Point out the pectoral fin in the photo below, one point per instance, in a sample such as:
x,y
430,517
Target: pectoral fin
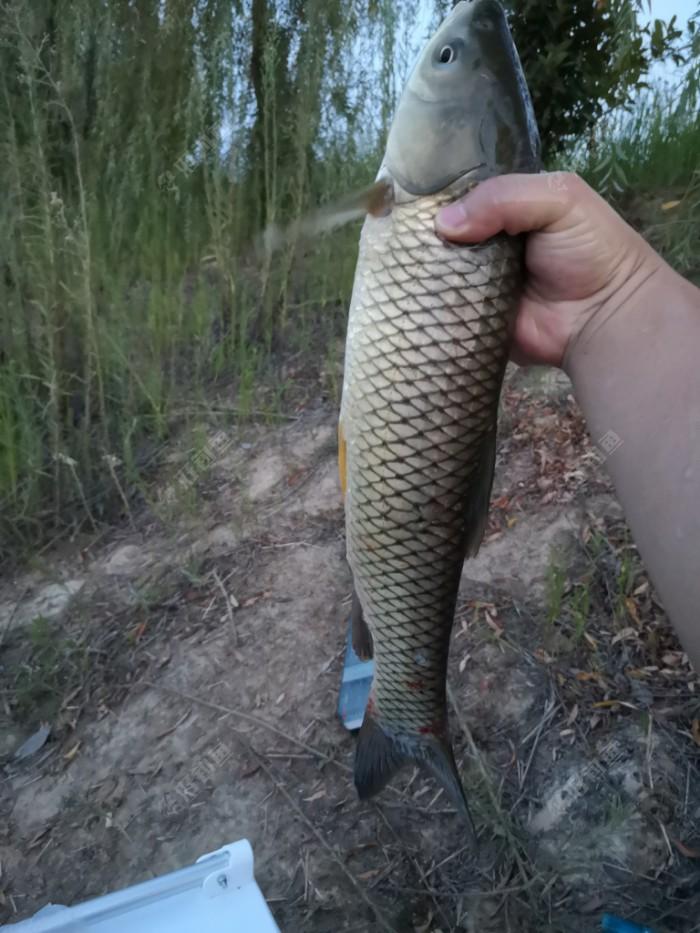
x,y
376,200
480,497
361,636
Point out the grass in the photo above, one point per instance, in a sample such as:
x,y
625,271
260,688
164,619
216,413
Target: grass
x,y
580,607
600,583
646,162
567,603
133,284
555,586
53,667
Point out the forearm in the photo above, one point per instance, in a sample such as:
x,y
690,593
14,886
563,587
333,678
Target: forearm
x,y
636,375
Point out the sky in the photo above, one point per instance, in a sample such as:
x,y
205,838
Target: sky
x,y
665,9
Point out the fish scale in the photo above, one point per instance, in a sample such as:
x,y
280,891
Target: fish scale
x,y
428,337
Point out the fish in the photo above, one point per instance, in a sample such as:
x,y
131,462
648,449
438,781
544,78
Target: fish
x,y
428,339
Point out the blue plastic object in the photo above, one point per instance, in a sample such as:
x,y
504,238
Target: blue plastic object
x,y
612,924
354,687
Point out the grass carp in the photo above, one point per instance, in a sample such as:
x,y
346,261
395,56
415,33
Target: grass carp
x,y
427,344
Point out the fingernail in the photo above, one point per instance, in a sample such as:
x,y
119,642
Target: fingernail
x,y
453,217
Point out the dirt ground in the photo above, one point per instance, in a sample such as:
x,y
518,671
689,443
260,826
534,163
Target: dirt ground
x,y
188,664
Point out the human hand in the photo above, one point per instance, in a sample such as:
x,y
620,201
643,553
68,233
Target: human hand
x,y
583,261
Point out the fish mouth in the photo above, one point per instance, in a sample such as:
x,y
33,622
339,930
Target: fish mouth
x,y
449,188
462,183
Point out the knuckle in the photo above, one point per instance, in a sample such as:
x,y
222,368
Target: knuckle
x,y
575,185
561,182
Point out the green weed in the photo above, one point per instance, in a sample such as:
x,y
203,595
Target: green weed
x,y
617,813
132,277
645,160
579,605
54,667
555,588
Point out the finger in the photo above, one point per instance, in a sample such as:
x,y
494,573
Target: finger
x,y
514,203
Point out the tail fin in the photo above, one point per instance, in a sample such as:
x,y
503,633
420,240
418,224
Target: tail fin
x,y
379,755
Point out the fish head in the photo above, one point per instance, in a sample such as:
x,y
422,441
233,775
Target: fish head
x,y
466,110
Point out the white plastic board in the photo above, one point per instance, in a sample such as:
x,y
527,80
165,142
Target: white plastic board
x,y
217,894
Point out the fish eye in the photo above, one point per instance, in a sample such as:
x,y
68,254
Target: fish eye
x,y
447,55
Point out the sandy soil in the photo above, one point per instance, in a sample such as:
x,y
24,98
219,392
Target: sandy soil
x,y
188,664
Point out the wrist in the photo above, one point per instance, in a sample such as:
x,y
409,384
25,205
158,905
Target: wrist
x,y
642,285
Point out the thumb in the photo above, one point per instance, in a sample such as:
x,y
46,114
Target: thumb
x,y
514,203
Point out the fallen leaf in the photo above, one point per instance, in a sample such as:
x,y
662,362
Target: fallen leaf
x,y
672,658
695,730
295,476
255,598
165,659
604,704
34,742
138,631
669,205
70,755
463,663
39,837
631,607
316,796
368,875
684,849
493,624
161,735
624,634
592,904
